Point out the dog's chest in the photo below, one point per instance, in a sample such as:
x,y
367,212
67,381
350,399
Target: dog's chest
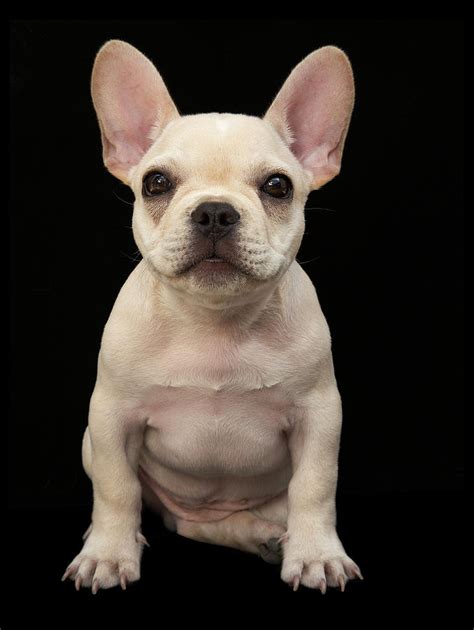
x,y
218,409
203,432
217,363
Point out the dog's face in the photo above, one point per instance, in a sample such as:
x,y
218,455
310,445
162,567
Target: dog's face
x,y
219,187
219,198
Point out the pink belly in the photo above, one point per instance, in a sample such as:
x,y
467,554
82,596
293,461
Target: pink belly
x,y
211,511
207,454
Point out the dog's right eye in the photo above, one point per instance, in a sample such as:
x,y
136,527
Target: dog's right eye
x,y
156,184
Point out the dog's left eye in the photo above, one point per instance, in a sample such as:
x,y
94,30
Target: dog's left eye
x,y
278,186
156,184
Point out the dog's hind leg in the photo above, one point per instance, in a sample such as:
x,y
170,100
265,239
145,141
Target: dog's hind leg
x,y
241,530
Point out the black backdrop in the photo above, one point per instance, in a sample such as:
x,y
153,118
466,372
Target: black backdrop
x,y
382,245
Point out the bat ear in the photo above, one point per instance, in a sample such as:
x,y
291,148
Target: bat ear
x,y
313,109
132,104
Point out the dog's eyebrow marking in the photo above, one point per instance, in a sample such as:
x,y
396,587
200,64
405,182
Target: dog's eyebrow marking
x,y
160,162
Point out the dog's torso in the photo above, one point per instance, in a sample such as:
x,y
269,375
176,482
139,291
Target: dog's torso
x,y
217,405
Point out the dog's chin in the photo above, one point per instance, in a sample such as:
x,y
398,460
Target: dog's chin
x,y
213,277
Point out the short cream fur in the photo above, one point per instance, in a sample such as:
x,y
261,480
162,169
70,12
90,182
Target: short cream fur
x,y
216,402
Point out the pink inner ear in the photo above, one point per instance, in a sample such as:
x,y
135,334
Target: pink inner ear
x,y
132,104
312,109
123,152
324,162
315,103
136,107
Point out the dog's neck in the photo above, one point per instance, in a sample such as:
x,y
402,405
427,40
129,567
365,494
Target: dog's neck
x,y
236,314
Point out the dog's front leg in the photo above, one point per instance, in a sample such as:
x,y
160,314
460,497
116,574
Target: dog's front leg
x,y
313,553
113,545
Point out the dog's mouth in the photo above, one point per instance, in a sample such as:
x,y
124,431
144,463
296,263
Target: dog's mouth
x,y
214,264
214,261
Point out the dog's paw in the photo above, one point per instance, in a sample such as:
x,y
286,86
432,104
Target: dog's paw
x,y
271,551
318,566
105,562
268,541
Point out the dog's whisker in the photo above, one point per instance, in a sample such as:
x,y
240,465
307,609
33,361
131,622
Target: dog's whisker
x,y
129,203
319,208
304,262
134,257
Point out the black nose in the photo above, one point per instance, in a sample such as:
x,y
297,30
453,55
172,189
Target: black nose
x,y
214,218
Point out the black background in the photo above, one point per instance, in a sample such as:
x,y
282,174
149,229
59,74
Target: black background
x,y
382,245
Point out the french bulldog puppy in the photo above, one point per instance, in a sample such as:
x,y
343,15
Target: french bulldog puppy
x,y
216,402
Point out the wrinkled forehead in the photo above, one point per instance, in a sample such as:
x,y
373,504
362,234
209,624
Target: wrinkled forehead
x,y
219,144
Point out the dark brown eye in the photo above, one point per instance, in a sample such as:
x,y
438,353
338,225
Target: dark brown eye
x,y
278,186
156,184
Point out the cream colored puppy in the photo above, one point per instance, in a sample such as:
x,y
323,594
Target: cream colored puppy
x,y
216,400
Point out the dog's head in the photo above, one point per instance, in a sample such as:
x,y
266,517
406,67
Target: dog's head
x,y
219,198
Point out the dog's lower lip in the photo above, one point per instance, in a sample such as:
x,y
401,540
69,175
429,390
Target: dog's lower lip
x,y
214,259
